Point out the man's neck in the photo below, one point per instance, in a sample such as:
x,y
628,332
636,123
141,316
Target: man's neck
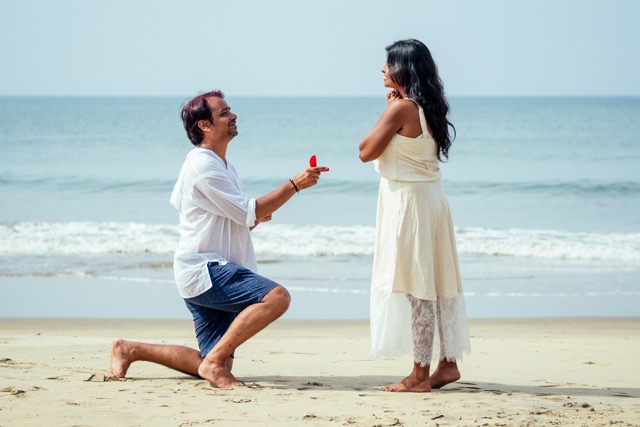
x,y
219,148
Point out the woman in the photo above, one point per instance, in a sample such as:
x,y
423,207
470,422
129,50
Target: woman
x,y
416,283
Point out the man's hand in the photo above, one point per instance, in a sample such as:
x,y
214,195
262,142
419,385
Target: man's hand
x,y
309,177
271,202
265,219
258,221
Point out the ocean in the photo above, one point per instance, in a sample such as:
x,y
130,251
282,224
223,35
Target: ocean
x,y
545,196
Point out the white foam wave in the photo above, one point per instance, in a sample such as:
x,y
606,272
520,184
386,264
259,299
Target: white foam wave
x,y
551,294
313,241
549,244
275,241
86,238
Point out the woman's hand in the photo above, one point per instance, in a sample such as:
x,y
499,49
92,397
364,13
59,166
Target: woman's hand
x,y
309,177
393,95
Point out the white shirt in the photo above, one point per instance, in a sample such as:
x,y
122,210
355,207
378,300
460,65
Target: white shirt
x,y
215,221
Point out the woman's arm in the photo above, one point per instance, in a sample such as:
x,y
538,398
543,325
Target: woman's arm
x,y
393,118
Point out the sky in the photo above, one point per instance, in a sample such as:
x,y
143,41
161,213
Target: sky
x,y
315,48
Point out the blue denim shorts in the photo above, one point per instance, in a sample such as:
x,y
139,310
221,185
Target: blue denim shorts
x,y
234,289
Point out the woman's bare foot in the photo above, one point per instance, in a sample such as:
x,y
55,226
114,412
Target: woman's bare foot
x,y
446,373
122,356
417,381
410,384
219,375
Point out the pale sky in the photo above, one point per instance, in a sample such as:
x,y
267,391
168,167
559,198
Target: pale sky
x,y
315,48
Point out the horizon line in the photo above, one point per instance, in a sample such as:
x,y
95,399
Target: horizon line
x,y
308,96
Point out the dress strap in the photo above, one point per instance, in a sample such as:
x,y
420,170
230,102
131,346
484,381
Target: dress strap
x,y
423,120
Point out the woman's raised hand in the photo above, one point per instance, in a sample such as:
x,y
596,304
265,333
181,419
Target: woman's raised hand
x,y
393,95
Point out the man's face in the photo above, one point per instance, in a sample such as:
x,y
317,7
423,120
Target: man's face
x,y
224,121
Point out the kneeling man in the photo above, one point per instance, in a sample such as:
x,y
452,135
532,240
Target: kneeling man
x,y
215,264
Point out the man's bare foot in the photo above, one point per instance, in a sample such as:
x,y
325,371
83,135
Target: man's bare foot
x,y
409,384
122,355
446,373
218,375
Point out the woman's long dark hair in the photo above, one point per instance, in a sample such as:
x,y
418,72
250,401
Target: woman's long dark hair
x,y
412,67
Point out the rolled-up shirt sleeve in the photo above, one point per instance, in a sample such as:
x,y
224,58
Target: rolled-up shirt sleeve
x,y
251,213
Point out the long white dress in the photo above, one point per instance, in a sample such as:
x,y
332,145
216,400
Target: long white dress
x,y
415,253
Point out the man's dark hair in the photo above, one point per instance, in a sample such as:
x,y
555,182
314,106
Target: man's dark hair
x,y
197,109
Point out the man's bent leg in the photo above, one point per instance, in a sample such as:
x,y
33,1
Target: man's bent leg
x,y
249,322
180,358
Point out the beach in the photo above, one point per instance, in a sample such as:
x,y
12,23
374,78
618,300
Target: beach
x,y
522,372
546,229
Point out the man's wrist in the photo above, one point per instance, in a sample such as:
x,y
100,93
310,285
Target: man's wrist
x,y
295,186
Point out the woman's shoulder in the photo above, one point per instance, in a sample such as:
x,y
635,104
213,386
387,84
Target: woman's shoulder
x,y
405,108
404,103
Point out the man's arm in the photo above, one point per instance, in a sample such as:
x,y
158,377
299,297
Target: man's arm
x,y
271,202
223,197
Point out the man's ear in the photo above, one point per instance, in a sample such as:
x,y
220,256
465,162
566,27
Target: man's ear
x,y
204,125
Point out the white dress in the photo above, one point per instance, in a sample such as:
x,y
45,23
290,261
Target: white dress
x,y
415,251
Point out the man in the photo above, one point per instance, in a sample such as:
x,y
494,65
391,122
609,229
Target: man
x,y
215,263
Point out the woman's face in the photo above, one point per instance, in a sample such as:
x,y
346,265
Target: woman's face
x,y
387,78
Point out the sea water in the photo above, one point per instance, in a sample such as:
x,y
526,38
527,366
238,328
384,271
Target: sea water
x,y
545,196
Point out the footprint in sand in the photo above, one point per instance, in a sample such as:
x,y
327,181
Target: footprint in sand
x,y
9,363
13,391
310,383
100,377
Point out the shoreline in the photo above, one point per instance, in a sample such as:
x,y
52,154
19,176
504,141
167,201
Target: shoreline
x,y
543,371
331,290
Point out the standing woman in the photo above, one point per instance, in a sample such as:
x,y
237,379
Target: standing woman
x,y
415,287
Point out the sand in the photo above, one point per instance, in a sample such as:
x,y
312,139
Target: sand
x,y
534,372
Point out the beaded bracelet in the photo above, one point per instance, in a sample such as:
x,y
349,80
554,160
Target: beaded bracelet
x,y
295,187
